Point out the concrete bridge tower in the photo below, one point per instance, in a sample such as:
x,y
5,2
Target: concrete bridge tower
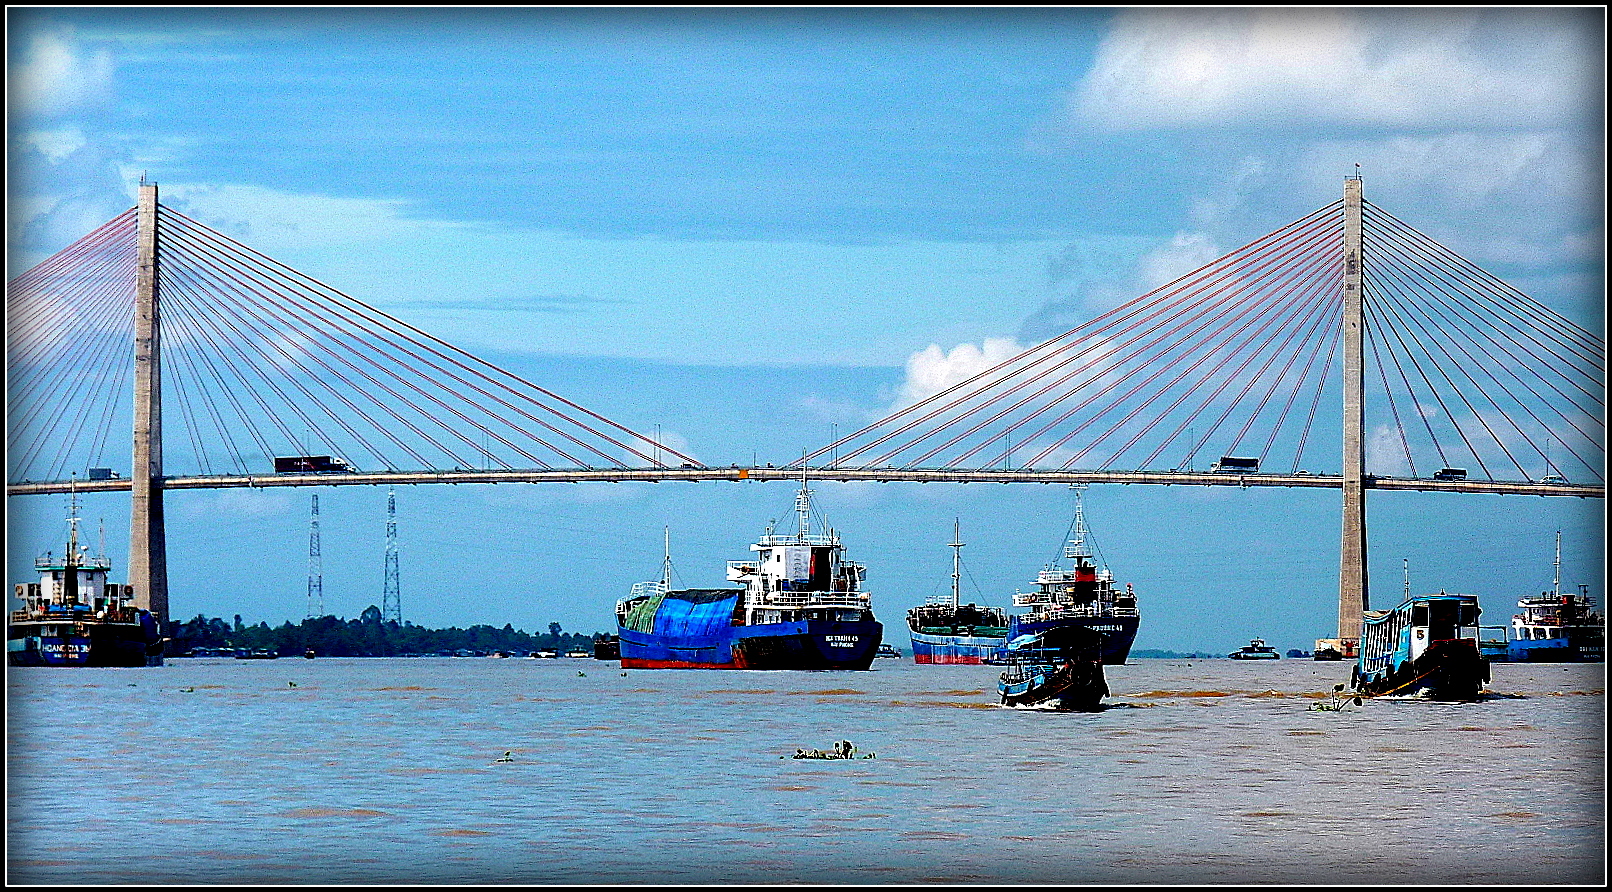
x,y
1352,594
148,548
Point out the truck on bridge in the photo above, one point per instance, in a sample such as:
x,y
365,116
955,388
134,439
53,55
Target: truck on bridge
x,y
312,464
1231,464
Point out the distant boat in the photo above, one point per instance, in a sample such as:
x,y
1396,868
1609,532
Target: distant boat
x,y
1426,648
887,651
1059,668
73,617
607,648
1556,627
1255,650
258,654
309,654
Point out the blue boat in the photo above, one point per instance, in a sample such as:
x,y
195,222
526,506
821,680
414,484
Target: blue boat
x,y
801,606
1426,648
1556,627
1058,668
1079,594
74,617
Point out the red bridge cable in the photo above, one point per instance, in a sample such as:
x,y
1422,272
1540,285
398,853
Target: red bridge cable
x,y
516,409
55,352
199,381
1487,393
358,349
243,292
1327,337
1200,308
1320,302
43,392
1454,319
1290,310
1372,338
221,307
1158,307
353,304
1518,349
1590,347
52,305
205,327
1392,304
1092,327
1248,303
119,230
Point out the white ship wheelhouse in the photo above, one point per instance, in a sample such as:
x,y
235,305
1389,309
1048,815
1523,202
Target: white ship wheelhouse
x,y
800,575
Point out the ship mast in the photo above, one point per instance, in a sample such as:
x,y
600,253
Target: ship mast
x,y
1076,546
957,560
666,565
1556,587
803,507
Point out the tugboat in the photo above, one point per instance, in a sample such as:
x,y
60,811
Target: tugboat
x,y
1079,595
73,617
945,631
802,607
1058,668
1255,650
1556,627
1426,648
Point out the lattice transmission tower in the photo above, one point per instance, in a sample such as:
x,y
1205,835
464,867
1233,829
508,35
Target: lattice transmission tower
x,y
391,603
316,580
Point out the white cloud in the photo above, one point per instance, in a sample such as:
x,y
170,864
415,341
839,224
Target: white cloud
x,y
1418,69
1185,252
932,370
56,145
54,76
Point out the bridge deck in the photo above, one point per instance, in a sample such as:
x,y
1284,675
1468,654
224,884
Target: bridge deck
x,y
880,475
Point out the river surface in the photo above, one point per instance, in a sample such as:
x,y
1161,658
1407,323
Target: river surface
x,y
388,771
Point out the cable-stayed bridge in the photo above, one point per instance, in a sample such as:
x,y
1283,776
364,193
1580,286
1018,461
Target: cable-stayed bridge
x,y
1230,375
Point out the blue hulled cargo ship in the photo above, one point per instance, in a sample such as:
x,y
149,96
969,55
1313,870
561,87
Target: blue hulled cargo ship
x,y
1078,593
801,606
1556,627
945,631
74,617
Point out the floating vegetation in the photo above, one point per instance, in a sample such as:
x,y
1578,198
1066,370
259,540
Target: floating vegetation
x,y
1336,702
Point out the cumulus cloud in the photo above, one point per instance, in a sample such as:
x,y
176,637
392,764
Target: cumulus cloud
x,y
932,369
1173,68
54,76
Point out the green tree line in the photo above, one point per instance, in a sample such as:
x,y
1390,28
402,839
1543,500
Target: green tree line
x,y
367,636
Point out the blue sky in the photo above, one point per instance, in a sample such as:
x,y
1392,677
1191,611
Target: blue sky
x,y
774,223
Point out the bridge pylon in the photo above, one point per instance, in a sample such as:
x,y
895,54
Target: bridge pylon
x,y
1353,597
148,549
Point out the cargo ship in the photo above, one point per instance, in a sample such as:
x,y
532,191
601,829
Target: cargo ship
x,y
74,617
1079,594
1426,648
802,606
1556,627
945,631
